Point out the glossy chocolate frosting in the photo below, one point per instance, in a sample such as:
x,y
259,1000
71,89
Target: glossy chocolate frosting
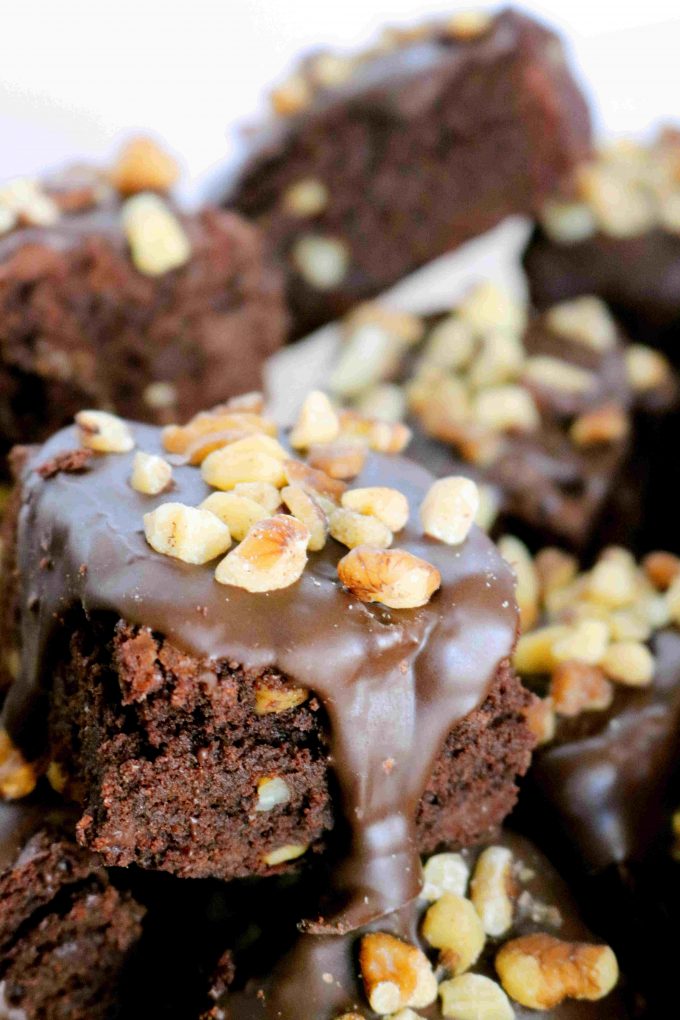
x,y
299,986
605,775
393,682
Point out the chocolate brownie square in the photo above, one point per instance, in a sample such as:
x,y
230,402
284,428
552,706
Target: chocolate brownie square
x,y
375,164
118,300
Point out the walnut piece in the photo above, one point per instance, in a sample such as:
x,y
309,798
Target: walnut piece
x,y
270,700
143,166
355,529
453,926
186,533
578,687
449,509
18,777
158,242
339,459
395,974
540,971
256,458
305,507
474,997
445,872
104,432
151,474
271,556
394,577
490,889
239,513
317,422
389,505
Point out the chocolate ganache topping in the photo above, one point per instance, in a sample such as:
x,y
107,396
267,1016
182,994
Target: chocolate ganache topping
x,y
393,682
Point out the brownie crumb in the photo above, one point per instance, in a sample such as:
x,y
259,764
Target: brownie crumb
x,y
72,462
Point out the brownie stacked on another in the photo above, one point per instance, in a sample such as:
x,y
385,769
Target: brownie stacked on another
x,y
495,934
377,163
66,933
615,231
110,297
226,723
555,412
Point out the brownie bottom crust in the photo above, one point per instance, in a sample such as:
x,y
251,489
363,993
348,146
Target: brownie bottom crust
x,y
172,759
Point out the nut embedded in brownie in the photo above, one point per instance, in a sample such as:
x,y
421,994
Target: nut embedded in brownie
x,y
377,163
112,297
496,934
614,230
329,684
551,412
66,933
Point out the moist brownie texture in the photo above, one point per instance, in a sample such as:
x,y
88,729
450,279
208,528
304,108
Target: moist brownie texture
x,y
377,163
211,730
65,932
124,302
550,412
463,960
616,232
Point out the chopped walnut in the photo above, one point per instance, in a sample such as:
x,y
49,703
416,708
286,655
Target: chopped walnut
x,y
629,662
607,424
491,888
292,96
151,474
356,529
389,505
312,480
271,556
270,700
578,687
474,997
468,25
186,533
395,974
256,458
283,854
540,971
158,242
341,459
316,423
489,307
453,926
646,368
584,319
272,793
143,166
661,568
506,408
394,577
264,493
25,201
449,508
540,719
516,554
104,432
18,777
556,374
445,872
307,197
239,513
322,262
381,436
305,508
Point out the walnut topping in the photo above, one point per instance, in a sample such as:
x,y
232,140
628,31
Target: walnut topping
x,y
389,505
468,25
586,320
312,480
577,687
272,793
516,554
271,556
292,96
453,926
156,237
395,974
317,422
540,971
211,430
661,568
646,368
264,493
270,700
308,197
489,307
282,854
238,512
355,529
341,459
449,509
143,166
256,458
490,889
160,395
18,777
629,662
24,201
446,872
381,436
507,408
151,474
557,374
322,262
606,424
394,577
474,997
567,222
185,532
306,509
104,432
540,719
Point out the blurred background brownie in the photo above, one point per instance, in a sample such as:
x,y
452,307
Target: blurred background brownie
x,y
379,162
66,933
616,232
211,730
111,297
496,932
554,413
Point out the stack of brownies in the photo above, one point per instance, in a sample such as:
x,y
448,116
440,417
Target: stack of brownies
x,y
270,694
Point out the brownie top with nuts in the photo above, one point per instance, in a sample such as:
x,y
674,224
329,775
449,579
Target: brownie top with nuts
x,y
398,643
496,932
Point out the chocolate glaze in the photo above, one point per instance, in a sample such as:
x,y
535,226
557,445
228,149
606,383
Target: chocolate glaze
x,y
605,775
295,988
399,679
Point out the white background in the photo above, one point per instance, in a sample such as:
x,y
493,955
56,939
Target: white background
x,y
75,74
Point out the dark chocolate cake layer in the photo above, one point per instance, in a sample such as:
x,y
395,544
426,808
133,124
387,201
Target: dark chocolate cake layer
x,y
65,933
379,163
128,304
167,699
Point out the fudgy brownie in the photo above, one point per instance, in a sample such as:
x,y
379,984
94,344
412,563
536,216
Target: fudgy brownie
x,y
65,932
117,300
496,933
377,163
224,722
616,232
550,411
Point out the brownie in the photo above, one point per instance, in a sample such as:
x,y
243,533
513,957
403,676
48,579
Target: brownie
x,y
548,411
616,232
219,728
66,933
374,164
319,978
123,302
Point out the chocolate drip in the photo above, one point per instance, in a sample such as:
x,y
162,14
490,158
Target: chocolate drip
x,y
398,680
